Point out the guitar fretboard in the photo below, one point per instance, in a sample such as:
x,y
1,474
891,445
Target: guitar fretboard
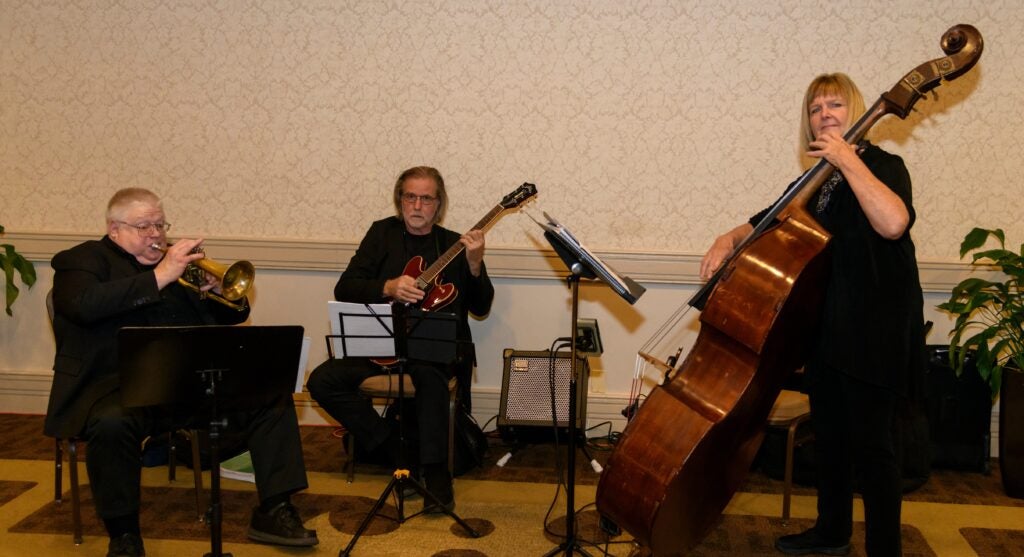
x,y
431,273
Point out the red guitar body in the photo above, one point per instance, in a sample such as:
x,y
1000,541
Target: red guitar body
x,y
438,294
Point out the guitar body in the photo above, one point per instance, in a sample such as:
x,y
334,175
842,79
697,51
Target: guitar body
x,y
438,294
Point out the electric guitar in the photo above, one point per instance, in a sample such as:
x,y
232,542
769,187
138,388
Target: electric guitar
x,y
428,279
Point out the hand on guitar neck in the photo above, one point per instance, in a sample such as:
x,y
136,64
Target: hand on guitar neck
x,y
473,241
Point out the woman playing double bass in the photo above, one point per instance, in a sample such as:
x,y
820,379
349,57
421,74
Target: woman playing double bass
x,y
868,354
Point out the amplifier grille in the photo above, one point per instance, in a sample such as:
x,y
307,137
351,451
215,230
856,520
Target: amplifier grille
x,y
526,388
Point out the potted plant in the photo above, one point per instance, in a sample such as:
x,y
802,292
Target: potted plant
x,y
11,261
989,318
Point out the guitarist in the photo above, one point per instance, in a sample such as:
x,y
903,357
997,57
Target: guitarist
x,y
377,273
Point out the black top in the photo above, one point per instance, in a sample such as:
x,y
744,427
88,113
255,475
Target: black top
x,y
872,320
384,253
97,289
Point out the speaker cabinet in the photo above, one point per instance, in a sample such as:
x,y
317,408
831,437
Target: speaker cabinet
x,y
526,388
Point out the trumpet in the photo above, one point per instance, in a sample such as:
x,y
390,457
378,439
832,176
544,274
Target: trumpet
x,y
235,279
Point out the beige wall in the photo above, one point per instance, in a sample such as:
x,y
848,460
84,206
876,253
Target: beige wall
x,y
276,129
646,125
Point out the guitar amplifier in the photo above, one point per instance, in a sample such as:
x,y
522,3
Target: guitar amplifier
x,y
526,389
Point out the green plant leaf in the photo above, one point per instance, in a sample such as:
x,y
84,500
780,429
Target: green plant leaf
x,y
989,313
977,237
11,261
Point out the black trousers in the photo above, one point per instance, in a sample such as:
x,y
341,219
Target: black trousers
x,y
334,384
114,436
853,428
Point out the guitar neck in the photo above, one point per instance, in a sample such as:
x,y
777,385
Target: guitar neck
x,y
435,268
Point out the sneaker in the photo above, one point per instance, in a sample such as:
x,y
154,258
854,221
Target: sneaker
x,y
439,484
126,545
810,541
282,526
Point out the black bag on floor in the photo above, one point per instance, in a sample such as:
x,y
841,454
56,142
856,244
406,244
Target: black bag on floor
x,y
470,443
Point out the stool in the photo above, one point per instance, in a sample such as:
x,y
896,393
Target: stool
x,y
386,387
791,409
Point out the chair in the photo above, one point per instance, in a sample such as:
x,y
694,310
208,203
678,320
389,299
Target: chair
x,y
791,409
72,450
386,387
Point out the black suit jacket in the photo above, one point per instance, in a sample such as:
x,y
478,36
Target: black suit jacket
x,y
97,289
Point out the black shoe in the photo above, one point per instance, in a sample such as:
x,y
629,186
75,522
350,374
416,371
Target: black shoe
x,y
810,541
438,484
126,545
282,526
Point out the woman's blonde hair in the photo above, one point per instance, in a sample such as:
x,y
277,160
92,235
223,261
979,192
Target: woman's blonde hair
x,y
829,84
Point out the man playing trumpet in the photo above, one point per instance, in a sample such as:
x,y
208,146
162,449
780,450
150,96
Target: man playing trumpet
x,y
130,278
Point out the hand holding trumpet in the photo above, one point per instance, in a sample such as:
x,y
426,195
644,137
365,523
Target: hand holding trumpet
x,y
176,258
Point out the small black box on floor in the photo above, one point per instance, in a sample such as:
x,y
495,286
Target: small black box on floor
x,y
959,414
527,383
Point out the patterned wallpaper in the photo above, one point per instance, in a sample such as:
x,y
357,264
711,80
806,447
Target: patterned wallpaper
x,y
647,126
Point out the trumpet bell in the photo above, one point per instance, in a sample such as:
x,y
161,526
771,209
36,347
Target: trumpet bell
x,y
235,279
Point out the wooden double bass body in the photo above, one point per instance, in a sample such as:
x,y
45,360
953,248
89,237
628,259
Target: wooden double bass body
x,y
689,446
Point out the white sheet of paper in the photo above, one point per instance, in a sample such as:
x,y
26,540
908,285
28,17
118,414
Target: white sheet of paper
x,y
363,331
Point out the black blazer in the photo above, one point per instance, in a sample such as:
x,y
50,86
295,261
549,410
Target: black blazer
x,y
97,289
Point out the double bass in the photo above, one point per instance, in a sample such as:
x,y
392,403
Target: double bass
x,y
688,448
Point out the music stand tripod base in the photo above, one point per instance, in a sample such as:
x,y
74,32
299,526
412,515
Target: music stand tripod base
x,y
433,326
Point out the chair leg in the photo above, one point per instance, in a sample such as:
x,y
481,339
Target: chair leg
x,y
172,458
451,433
350,466
197,474
58,468
787,488
76,510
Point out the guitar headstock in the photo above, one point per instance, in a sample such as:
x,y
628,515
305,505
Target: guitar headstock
x,y
519,196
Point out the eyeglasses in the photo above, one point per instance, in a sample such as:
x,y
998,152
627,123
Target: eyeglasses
x,y
412,198
148,227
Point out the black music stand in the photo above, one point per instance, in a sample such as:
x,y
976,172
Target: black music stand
x,y
581,264
208,368
412,334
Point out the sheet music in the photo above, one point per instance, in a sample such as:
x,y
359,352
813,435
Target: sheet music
x,y
362,329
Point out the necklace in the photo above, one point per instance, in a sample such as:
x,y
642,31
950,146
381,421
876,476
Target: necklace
x,y
826,190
